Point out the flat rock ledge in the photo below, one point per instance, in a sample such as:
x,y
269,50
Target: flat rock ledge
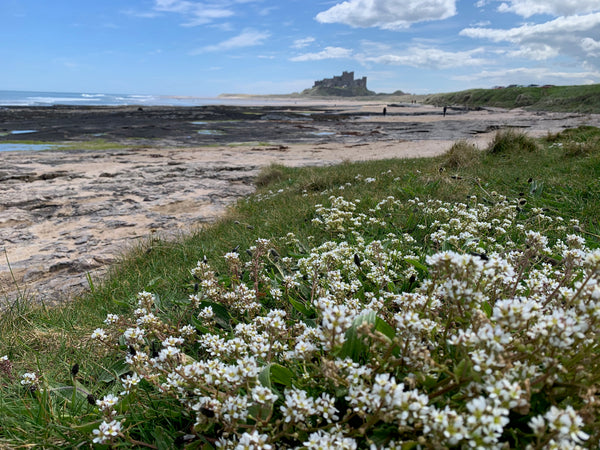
x,y
67,215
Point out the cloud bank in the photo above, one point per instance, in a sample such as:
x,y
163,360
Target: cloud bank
x,y
387,14
567,35
528,8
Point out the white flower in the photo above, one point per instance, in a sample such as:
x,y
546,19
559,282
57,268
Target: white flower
x,y
111,318
29,379
107,403
206,313
106,431
325,406
172,341
99,335
146,300
537,425
261,394
253,441
134,336
567,423
168,353
129,382
297,406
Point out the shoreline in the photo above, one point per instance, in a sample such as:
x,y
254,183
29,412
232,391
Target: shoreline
x,y
66,213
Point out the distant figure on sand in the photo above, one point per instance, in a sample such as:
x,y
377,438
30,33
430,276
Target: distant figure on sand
x,y
445,108
384,110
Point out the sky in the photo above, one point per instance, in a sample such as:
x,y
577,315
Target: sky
x,y
209,47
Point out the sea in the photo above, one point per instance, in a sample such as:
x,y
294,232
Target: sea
x,y
38,98
35,98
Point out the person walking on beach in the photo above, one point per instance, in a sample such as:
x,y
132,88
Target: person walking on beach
x,y
445,108
384,110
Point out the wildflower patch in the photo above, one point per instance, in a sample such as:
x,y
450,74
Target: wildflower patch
x,y
474,326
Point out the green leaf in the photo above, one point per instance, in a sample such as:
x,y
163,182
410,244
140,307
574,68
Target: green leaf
x,y
199,325
301,307
487,308
281,375
162,439
87,428
417,265
275,374
265,376
383,327
354,346
462,369
114,372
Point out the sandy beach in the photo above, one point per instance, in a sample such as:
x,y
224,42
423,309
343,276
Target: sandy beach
x,y
67,213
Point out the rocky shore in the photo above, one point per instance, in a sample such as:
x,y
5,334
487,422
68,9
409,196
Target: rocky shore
x,y
71,211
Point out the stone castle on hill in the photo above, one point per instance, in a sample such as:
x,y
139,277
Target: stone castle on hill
x,y
346,81
342,86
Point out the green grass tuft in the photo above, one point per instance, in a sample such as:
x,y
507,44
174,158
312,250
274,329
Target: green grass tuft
x,y
461,155
511,141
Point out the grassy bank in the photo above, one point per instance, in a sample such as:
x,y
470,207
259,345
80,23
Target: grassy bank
x,y
348,252
582,99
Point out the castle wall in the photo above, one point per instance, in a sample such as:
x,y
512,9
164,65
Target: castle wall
x,y
346,80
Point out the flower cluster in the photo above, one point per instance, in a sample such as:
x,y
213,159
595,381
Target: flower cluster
x,y
474,327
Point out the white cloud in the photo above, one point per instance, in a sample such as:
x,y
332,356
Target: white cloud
x,y
527,75
327,53
387,14
248,38
555,29
528,8
590,46
428,57
301,43
196,13
535,52
569,36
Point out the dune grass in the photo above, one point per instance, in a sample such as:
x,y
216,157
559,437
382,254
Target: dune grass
x,y
582,99
56,406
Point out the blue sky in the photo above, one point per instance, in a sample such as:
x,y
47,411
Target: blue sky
x,y
204,48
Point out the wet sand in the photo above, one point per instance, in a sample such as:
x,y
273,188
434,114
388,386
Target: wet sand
x,y
66,213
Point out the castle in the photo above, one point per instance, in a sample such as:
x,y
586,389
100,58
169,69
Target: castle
x,y
346,81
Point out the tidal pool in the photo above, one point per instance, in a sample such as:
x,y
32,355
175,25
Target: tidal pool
x,y
23,131
17,147
210,132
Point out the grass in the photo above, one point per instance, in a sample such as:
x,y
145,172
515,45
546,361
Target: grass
x,y
582,99
559,174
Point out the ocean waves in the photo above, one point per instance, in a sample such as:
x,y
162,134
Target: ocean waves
x,y
34,98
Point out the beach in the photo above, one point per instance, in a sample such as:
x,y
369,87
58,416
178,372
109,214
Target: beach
x,y
161,171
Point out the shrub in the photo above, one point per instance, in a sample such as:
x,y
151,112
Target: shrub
x,y
270,175
577,149
510,141
462,154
